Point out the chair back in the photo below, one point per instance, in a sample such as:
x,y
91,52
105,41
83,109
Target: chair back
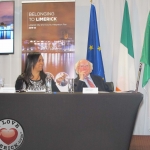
x,y
110,86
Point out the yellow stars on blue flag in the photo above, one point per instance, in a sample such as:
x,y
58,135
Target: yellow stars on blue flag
x,y
91,47
99,48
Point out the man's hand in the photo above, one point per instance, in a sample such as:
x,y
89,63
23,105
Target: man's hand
x,y
82,75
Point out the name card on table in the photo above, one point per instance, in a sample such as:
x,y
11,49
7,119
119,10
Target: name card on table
x,y
90,90
7,90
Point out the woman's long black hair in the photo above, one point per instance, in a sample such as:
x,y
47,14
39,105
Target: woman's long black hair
x,y
30,63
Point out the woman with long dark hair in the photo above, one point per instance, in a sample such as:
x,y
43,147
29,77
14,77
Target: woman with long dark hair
x,y
33,77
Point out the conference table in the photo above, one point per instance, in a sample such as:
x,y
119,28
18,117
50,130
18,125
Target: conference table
x,y
72,121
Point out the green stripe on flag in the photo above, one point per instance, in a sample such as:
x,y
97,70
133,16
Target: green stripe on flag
x,y
145,58
126,32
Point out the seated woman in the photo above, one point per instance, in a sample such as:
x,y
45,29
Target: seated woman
x,y
33,77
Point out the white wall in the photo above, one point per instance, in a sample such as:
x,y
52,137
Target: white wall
x,y
109,17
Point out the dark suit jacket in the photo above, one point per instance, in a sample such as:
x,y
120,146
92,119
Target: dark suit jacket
x,y
98,81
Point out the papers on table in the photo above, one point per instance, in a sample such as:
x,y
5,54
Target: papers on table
x,y
7,90
104,92
131,91
35,91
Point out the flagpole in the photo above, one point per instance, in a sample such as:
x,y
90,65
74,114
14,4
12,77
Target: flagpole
x,y
138,78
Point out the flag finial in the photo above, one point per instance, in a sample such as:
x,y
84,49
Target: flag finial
x,y
91,1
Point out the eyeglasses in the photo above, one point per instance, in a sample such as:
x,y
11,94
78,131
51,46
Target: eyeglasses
x,y
82,66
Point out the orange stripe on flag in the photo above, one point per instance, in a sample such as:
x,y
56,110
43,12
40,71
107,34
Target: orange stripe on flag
x,y
117,89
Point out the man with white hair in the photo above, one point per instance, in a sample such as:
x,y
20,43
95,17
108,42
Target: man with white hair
x,y
83,69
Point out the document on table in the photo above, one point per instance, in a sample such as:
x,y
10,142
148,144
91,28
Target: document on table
x,y
7,90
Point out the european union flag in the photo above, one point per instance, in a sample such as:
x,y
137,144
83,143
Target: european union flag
x,y
93,48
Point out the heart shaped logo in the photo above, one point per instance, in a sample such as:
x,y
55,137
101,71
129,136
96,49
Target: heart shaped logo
x,y
8,135
11,134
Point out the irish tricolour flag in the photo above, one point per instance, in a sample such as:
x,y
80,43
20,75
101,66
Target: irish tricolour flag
x,y
126,79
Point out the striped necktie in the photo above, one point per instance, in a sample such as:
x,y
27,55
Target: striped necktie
x,y
90,82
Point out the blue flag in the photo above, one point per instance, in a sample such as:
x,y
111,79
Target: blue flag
x,y
93,48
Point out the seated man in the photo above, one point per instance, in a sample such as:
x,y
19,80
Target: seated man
x,y
83,68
